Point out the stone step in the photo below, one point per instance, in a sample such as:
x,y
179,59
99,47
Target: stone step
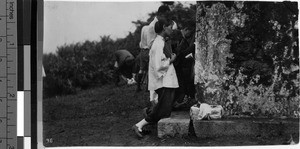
x,y
176,125
179,125
245,127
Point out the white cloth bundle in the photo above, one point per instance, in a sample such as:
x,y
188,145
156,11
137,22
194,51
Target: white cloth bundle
x,y
206,111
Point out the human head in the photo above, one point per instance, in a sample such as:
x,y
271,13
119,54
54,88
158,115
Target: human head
x,y
163,12
176,35
163,27
188,30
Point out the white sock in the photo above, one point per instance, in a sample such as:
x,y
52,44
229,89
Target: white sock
x,y
141,124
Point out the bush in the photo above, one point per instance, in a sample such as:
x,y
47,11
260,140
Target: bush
x,y
78,66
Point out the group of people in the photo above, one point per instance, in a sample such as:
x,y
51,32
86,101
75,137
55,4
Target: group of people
x,y
168,60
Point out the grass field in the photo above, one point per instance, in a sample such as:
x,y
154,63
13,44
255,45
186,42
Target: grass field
x,y
103,117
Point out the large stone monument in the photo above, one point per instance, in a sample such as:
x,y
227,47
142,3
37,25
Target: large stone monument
x,y
212,50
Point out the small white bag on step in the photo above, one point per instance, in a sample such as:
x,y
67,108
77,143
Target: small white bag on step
x,y
206,111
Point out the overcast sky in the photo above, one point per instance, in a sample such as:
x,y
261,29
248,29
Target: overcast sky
x,y
72,22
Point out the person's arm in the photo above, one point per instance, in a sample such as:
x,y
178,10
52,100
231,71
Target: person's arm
x,y
143,40
161,62
116,59
124,78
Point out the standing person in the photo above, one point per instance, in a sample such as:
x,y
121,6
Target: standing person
x,y
162,77
147,37
124,66
184,65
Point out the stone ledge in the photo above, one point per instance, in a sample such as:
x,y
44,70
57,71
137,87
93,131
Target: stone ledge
x,y
179,122
244,127
176,125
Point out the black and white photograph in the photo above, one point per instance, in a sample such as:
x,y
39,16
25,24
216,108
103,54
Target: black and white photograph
x,y
170,73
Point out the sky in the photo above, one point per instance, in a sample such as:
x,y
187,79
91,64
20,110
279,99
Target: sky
x,y
67,22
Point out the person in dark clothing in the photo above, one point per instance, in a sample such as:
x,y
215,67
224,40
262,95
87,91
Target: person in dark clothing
x,y
124,66
184,65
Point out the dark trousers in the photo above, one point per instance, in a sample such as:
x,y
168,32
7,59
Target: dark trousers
x,y
180,91
144,59
122,70
163,108
186,84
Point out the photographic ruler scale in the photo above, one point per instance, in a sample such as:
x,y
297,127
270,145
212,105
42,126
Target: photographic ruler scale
x,y
8,74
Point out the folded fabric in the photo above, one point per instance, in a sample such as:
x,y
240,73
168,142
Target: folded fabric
x,y
205,111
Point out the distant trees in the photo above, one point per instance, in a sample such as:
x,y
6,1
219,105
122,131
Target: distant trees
x,y
78,66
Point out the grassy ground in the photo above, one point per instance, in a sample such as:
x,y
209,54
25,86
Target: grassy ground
x,y
104,116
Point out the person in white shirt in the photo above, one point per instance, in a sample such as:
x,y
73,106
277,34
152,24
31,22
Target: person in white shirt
x,y
162,77
147,37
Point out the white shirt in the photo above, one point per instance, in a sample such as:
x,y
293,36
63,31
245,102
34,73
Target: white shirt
x,y
148,35
161,72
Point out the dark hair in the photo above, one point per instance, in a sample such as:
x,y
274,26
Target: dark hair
x,y
159,25
176,35
163,9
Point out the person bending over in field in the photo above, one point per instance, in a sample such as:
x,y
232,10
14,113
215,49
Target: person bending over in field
x,y
162,77
124,67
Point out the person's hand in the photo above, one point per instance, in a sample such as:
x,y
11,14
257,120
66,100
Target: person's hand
x,y
155,101
131,81
140,71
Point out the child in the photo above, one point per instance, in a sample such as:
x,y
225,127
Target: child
x,y
162,77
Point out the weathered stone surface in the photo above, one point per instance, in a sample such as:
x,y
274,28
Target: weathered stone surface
x,y
277,128
212,51
217,128
245,127
176,125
